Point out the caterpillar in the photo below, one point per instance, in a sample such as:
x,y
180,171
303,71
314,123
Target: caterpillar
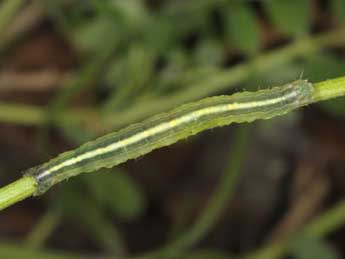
x,y
167,128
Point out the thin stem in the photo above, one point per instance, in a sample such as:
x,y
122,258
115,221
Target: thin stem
x,y
25,187
225,79
216,82
329,89
327,222
43,229
17,191
102,230
15,251
8,9
30,115
319,227
8,250
26,115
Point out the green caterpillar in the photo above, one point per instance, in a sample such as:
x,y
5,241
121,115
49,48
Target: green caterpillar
x,y
167,128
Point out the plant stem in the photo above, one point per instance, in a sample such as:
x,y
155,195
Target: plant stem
x,y
224,79
8,9
43,229
30,115
100,228
17,191
26,115
8,250
329,89
319,227
216,82
327,222
26,186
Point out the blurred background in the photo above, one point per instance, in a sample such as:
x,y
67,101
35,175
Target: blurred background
x,y
72,70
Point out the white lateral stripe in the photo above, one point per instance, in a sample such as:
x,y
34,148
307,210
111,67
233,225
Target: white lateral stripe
x,y
164,127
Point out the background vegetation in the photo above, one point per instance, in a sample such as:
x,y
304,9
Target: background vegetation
x,y
72,70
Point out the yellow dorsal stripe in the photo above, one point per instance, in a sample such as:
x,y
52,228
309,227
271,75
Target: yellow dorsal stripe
x,y
165,126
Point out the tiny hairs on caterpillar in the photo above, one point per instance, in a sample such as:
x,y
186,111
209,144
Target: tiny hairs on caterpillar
x,y
167,128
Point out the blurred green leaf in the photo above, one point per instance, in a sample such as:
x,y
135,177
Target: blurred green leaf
x,y
168,79
76,207
75,133
305,247
133,12
175,22
187,16
131,77
161,35
116,71
209,52
97,34
291,17
338,8
68,201
117,191
241,27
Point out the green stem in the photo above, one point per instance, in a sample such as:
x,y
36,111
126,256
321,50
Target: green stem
x,y
102,230
327,222
43,229
25,187
29,115
224,79
8,250
319,227
329,89
218,81
8,9
21,114
95,221
17,191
